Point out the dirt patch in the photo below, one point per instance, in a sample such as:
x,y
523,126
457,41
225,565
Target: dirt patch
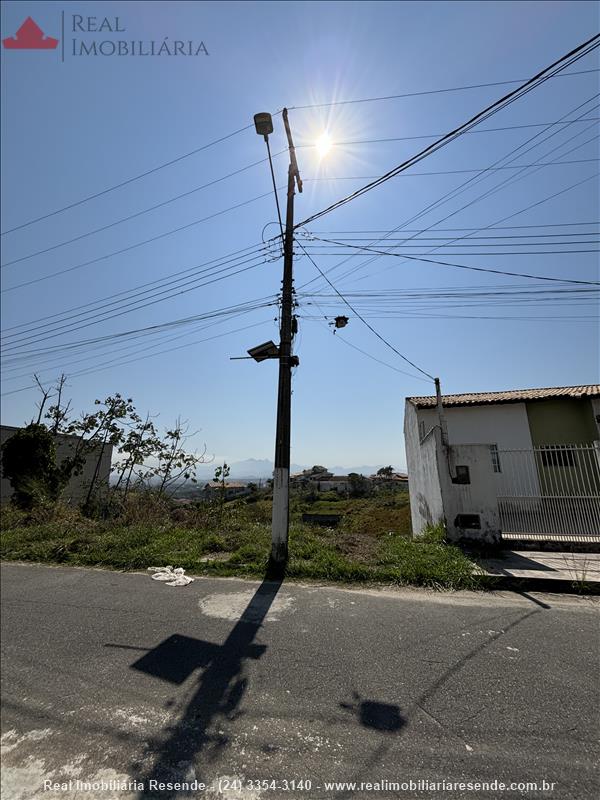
x,y
361,547
215,557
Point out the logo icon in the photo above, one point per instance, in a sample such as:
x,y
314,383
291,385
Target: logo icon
x,y
30,37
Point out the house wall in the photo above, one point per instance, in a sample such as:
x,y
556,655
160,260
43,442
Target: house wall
x,y
333,486
477,497
77,488
424,483
562,420
595,401
505,424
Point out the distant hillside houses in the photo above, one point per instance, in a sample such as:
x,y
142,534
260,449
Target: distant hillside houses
x,y
233,489
321,480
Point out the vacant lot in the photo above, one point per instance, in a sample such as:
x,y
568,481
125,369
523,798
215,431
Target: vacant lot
x,y
371,543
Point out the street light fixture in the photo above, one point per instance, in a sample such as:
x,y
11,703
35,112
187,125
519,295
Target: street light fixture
x,y
263,123
263,351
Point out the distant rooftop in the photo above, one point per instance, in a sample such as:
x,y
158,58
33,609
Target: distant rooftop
x,y
228,485
512,396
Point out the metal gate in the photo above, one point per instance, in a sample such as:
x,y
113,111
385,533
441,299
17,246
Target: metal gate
x,y
550,492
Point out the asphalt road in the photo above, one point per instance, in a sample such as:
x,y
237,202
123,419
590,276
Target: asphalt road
x,y
246,687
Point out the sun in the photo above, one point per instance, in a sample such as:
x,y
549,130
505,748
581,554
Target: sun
x,y
323,144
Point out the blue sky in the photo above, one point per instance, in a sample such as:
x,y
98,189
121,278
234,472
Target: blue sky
x,y
74,128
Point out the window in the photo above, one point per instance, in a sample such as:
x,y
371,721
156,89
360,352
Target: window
x,y
557,457
495,458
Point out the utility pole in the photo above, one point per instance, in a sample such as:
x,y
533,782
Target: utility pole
x,y
281,476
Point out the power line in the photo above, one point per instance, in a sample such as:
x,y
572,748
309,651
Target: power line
x,y
137,244
418,243
453,171
127,181
392,301
137,332
71,327
100,349
494,317
484,173
244,252
528,208
515,153
559,298
134,216
374,358
217,318
465,266
345,143
421,239
188,193
248,127
370,327
482,288
430,91
489,227
483,253
107,365
522,173
509,98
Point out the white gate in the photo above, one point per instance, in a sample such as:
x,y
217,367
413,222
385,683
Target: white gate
x,y
550,492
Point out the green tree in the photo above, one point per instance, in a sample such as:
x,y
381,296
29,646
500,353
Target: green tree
x,y
386,472
221,474
29,463
139,444
176,465
359,485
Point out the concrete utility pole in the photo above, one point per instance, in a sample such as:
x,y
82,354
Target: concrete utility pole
x,y
281,476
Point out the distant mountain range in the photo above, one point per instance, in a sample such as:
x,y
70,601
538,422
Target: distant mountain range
x,y
262,468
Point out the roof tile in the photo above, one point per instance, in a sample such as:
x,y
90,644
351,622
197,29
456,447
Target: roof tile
x,y
512,396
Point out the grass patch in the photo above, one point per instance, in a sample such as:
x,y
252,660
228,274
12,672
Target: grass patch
x,y
371,544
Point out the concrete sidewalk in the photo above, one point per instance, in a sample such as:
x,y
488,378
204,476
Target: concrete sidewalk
x,y
552,566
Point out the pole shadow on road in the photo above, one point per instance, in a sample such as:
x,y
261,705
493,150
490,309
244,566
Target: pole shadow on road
x,y
218,694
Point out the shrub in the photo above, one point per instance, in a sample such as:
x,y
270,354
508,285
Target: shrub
x,y
214,544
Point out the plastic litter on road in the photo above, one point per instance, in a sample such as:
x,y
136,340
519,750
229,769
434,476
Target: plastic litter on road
x,y
172,577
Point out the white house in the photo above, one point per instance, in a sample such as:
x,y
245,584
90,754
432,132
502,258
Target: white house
x,y
334,483
522,464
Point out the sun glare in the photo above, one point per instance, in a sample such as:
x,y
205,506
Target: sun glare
x,y
323,144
